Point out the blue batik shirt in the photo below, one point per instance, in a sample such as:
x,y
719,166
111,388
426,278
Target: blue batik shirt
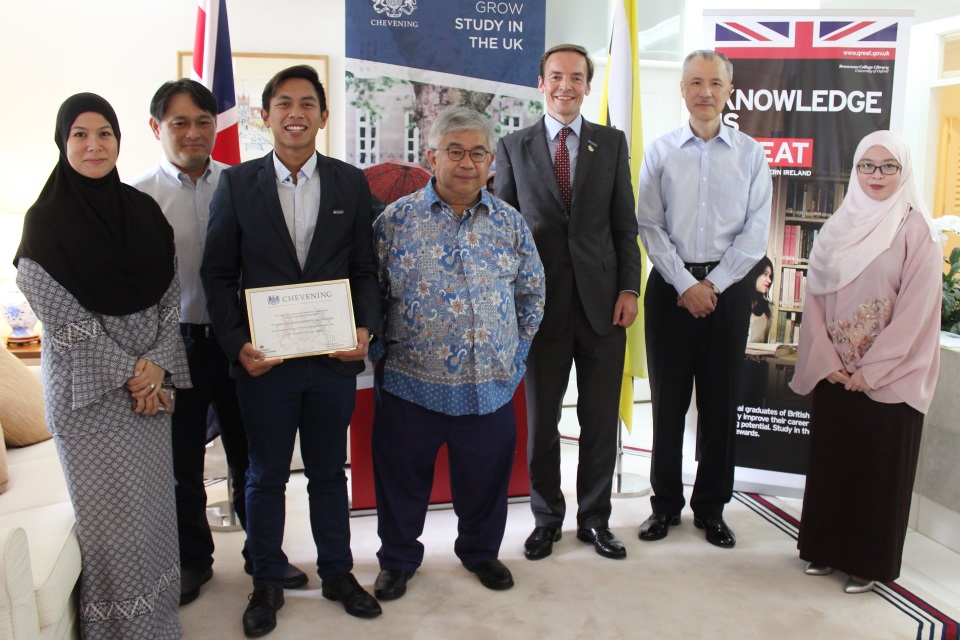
x,y
463,298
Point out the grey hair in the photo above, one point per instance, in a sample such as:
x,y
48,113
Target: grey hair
x,y
709,54
460,119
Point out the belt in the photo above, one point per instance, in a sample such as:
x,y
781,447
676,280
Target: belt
x,y
700,270
196,330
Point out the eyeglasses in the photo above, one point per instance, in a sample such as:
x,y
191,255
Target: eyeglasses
x,y
886,169
456,154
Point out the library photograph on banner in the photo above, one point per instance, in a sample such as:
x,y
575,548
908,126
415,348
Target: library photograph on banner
x,y
807,88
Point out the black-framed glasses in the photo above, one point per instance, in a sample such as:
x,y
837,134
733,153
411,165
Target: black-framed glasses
x,y
456,154
869,168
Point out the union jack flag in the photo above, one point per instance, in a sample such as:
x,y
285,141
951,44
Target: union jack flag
x,y
831,38
213,68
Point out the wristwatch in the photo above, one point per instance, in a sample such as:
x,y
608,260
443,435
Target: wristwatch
x,y
707,283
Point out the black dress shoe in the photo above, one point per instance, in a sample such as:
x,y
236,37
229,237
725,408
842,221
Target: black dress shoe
x,y
493,574
656,527
292,576
540,543
391,583
347,591
260,618
718,533
604,542
190,582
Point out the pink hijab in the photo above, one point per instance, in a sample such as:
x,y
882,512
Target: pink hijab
x,y
863,228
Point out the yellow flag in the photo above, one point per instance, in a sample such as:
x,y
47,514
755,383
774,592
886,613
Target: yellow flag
x,y
620,108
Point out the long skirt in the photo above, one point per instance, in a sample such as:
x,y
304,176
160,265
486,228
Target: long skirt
x,y
121,484
863,460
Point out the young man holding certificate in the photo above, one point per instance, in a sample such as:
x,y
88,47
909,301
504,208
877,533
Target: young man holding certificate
x,y
293,217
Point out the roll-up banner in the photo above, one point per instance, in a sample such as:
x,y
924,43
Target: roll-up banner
x,y
408,60
808,87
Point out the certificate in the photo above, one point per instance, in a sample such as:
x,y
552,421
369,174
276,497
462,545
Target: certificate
x,y
297,320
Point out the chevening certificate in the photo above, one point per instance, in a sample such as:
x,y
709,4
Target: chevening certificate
x,y
291,321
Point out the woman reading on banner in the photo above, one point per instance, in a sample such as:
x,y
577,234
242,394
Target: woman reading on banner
x,y
869,352
96,263
762,276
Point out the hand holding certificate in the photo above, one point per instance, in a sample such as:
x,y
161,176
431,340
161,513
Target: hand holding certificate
x,y
301,320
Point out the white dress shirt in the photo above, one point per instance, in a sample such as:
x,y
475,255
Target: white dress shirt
x,y
300,203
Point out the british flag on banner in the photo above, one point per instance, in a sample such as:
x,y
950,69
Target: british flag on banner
x,y
213,68
837,39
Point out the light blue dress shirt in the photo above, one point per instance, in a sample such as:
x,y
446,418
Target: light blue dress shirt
x,y
704,202
186,206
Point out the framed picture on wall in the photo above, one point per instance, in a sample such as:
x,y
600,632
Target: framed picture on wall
x,y
251,72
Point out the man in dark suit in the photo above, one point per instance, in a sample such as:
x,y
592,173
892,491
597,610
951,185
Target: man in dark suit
x,y
292,217
571,181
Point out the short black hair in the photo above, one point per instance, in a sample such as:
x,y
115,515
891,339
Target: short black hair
x,y
199,94
573,48
302,71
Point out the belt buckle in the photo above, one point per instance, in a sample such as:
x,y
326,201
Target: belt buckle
x,y
699,271
207,330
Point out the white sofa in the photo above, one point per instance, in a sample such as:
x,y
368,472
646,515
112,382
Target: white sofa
x,y
39,552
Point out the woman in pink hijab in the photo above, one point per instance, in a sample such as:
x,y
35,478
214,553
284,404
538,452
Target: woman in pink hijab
x,y
869,352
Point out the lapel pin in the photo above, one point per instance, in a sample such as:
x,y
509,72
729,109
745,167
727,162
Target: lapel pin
x,y
591,145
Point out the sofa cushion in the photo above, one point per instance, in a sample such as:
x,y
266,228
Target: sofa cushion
x,y
36,478
3,462
54,555
21,403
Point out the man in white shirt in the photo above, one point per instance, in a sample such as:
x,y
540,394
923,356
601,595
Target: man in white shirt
x,y
704,214
184,120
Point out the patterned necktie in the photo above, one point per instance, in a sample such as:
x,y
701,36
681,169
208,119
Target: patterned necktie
x,y
562,166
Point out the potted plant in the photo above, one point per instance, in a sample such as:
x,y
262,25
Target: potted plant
x,y
950,305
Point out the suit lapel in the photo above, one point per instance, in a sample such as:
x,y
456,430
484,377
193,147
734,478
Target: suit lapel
x,y
536,147
328,187
584,160
267,178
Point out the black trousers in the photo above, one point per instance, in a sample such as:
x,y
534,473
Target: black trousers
x,y
682,350
212,386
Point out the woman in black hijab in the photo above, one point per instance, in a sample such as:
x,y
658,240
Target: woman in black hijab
x,y
96,263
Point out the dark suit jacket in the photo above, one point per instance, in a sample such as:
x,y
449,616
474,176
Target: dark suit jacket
x,y
248,246
595,246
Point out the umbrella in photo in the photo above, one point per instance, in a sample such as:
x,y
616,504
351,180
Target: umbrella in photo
x,y
392,180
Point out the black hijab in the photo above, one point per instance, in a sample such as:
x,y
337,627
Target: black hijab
x,y
103,241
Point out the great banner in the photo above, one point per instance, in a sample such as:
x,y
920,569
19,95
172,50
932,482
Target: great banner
x,y
808,88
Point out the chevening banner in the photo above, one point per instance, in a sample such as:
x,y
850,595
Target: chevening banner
x,y
808,87
408,60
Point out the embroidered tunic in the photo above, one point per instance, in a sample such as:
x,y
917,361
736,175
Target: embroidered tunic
x,y
885,322
117,463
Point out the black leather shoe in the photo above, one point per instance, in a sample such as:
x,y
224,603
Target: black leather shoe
x,y
260,618
540,543
191,581
292,576
347,591
718,533
391,583
493,574
604,542
656,527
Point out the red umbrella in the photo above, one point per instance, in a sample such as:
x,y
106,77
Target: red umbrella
x,y
392,180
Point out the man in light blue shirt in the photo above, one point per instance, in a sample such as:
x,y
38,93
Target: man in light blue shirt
x,y
463,291
184,120
704,215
